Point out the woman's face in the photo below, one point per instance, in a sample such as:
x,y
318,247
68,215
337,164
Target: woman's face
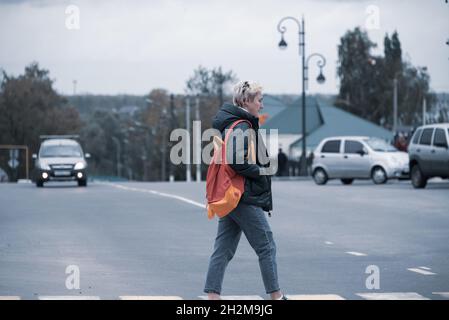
x,y
256,105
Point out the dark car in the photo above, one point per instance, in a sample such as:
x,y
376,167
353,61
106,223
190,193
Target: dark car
x,y
60,158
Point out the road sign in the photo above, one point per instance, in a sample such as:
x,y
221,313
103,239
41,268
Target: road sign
x,y
13,163
14,154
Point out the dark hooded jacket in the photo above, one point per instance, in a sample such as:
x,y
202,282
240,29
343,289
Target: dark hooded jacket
x,y
257,186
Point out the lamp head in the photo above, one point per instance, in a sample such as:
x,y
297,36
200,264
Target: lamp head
x,y
321,79
282,44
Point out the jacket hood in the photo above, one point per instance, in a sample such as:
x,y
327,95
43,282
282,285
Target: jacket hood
x,y
230,113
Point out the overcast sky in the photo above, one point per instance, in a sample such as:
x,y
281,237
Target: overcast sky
x,y
134,46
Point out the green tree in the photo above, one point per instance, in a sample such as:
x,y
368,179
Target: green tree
x,y
356,66
29,107
211,83
367,81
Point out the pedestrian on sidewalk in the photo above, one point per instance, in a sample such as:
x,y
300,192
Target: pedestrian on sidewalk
x,y
249,215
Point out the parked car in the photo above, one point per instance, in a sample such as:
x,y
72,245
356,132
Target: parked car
x,y
429,154
60,158
351,157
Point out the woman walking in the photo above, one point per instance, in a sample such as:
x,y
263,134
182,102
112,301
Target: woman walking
x,y
249,216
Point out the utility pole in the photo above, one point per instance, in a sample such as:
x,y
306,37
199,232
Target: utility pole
x,y
171,176
197,141
395,105
74,87
164,143
118,151
188,172
144,164
424,110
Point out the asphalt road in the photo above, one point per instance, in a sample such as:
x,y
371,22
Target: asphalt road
x,y
154,239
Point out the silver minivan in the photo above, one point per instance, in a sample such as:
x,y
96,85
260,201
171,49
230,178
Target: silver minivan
x,y
352,157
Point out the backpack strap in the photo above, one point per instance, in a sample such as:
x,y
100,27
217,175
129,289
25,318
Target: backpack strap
x,y
229,131
233,126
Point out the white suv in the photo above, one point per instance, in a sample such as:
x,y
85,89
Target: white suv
x,y
351,157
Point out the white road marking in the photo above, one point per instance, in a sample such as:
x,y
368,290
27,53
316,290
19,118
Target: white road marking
x,y
425,268
355,253
150,298
69,298
314,297
162,194
329,243
235,297
443,294
392,296
420,271
10,298
368,296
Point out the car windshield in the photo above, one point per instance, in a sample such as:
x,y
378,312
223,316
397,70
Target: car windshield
x,y
380,145
60,151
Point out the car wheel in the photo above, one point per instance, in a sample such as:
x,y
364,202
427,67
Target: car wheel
x,y
379,176
39,183
320,176
347,181
82,183
419,181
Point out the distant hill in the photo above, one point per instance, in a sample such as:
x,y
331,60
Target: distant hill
x,y
88,103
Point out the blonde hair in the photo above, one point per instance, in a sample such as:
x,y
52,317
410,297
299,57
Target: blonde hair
x,y
245,91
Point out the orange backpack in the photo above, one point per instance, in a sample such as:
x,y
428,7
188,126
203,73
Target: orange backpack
x,y
224,186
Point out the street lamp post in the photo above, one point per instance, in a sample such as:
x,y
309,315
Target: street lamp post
x,y
305,62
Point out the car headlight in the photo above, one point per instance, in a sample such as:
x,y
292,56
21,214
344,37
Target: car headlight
x,y
79,166
44,166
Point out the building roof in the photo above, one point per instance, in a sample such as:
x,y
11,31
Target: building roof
x,y
337,122
289,120
272,106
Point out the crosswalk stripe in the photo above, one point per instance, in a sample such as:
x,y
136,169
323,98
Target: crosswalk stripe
x,y
235,297
9,298
69,298
392,296
367,296
150,298
314,297
420,271
443,294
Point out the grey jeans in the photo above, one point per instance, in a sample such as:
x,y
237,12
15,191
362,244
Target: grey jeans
x,y
252,221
